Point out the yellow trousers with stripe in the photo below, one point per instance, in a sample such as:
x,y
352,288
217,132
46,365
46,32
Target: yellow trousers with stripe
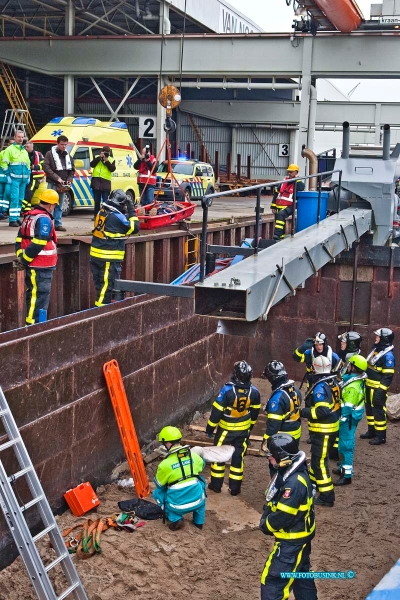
x,y
104,273
321,444
287,557
38,288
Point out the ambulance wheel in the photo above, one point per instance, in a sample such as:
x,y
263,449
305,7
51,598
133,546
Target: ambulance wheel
x,y
67,204
130,195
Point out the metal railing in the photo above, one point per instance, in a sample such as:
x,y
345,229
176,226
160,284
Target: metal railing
x,y
207,201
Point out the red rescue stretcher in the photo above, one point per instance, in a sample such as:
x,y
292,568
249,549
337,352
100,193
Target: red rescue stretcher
x,y
178,212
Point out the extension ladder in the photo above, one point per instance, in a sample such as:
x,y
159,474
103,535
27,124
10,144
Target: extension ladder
x,y
14,514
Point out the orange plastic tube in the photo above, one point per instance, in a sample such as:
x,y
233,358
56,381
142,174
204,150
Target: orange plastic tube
x,y
343,14
126,427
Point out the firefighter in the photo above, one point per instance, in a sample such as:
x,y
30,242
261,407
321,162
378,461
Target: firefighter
x,y
107,251
36,249
37,174
180,488
282,204
350,343
380,371
147,179
15,161
288,516
322,409
351,412
283,406
234,414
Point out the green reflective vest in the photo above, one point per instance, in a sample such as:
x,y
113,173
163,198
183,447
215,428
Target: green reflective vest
x,y
102,171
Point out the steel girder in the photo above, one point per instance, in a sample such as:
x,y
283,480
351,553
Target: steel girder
x,y
247,290
335,55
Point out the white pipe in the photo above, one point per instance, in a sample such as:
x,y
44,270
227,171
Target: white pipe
x,y
233,85
312,118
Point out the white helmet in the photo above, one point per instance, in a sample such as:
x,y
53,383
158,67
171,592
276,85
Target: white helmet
x,y
322,364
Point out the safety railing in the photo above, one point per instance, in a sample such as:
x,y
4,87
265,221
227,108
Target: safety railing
x,y
207,201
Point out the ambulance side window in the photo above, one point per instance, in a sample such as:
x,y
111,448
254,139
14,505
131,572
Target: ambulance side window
x,y
82,154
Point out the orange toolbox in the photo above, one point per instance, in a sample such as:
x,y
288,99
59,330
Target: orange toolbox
x,y
81,499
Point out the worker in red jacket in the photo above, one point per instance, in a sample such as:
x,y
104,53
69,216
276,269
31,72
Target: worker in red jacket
x,y
282,204
36,250
147,178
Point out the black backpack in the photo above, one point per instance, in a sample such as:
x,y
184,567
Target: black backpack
x,y
142,509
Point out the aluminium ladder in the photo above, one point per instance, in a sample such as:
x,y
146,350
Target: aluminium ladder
x,y
14,514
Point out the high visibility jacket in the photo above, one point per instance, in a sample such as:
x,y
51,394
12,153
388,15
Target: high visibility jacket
x,y
380,371
15,160
145,168
3,172
111,229
323,408
289,515
36,159
285,193
283,411
236,408
353,397
36,240
102,170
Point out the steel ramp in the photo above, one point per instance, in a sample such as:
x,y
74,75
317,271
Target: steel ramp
x,y
247,290
14,514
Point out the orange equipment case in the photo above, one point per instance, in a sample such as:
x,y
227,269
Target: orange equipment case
x,y
81,499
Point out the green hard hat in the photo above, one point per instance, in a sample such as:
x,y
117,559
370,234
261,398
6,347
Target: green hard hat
x,y
169,434
359,361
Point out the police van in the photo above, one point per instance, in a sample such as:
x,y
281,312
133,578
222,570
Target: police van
x,y
86,137
195,178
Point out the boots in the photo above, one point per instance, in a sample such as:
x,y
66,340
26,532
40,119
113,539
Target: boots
x,y
213,489
377,441
337,471
368,435
343,481
176,525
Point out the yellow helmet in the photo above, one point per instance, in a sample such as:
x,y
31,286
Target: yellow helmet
x,y
293,167
49,196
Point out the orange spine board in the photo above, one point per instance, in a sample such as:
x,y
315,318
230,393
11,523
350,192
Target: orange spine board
x,y
126,427
343,14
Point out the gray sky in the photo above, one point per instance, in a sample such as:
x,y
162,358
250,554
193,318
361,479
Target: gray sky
x,y
276,16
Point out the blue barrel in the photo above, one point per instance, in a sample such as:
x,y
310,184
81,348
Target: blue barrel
x,y
307,209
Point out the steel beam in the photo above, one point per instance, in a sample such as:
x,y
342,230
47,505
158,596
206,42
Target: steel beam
x,y
160,289
248,289
335,55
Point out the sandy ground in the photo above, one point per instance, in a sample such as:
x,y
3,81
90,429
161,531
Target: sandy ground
x,y
226,558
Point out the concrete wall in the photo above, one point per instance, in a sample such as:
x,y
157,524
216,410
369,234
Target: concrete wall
x,y
51,373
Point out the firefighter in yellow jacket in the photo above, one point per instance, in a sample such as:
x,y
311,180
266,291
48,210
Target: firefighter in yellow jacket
x,y
107,251
234,414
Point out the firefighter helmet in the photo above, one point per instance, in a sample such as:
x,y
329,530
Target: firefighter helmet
x,y
322,364
386,335
118,197
284,448
275,371
352,339
242,372
169,434
49,197
359,362
320,338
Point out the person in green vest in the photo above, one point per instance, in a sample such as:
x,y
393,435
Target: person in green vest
x,y
352,409
103,167
15,162
180,489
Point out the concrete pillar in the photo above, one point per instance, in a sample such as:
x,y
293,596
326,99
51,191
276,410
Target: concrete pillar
x,y
305,100
69,95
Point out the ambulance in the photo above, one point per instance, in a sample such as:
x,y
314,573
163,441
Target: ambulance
x,y
86,137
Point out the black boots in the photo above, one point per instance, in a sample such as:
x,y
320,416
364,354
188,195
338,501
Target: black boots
x,y
320,502
176,525
377,441
337,471
368,435
213,489
343,481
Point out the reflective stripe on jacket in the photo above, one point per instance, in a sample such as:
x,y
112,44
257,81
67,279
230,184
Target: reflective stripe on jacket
x,y
36,240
